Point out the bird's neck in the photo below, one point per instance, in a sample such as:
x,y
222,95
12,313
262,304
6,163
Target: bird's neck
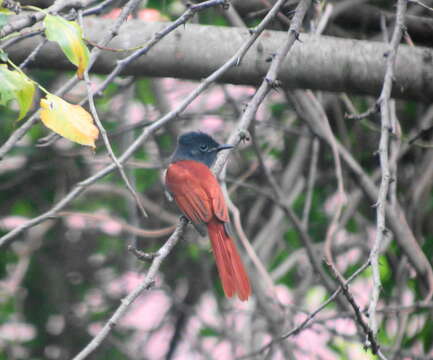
x,y
180,156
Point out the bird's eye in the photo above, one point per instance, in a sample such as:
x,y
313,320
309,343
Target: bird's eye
x,y
203,147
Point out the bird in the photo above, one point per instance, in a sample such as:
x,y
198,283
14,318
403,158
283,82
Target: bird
x,y
197,193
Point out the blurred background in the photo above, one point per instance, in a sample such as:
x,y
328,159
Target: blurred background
x,y
61,280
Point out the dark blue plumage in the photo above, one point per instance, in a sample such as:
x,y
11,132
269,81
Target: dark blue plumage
x,y
197,146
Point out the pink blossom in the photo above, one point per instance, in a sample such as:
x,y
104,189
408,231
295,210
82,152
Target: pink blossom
x,y
17,332
207,311
284,296
132,279
94,328
123,284
136,112
349,258
331,203
157,345
211,124
343,326
361,289
219,349
111,227
115,288
392,325
75,221
319,350
113,14
94,299
151,15
407,297
11,222
177,90
147,312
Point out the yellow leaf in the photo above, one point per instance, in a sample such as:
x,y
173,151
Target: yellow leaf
x,y
68,120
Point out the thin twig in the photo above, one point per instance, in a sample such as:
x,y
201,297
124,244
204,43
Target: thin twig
x,y
33,54
421,4
311,181
358,316
341,194
97,9
150,234
304,324
369,112
146,284
384,162
34,17
107,143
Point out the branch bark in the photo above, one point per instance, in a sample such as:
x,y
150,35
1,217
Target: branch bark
x,y
195,51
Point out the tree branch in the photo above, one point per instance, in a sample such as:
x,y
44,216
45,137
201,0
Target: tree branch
x,y
193,52
146,284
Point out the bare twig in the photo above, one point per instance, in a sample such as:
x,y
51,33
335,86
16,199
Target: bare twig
x,y
107,143
304,324
146,284
124,226
371,111
33,54
311,181
421,4
28,20
342,199
384,162
141,255
358,316
324,19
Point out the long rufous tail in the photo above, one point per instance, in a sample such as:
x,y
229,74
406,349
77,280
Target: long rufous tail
x,y
231,270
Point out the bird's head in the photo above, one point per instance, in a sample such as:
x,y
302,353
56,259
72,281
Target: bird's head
x,y
197,146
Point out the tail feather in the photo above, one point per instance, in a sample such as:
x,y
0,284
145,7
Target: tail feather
x,y
231,270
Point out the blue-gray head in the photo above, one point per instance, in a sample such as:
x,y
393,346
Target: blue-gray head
x,y
197,146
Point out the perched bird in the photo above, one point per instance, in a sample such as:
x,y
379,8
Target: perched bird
x,y
199,196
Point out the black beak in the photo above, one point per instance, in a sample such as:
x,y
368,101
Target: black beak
x,y
224,147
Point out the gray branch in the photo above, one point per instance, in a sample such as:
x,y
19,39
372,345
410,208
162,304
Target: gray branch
x,y
195,51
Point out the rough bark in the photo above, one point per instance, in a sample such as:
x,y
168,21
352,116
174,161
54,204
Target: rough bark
x,y
316,62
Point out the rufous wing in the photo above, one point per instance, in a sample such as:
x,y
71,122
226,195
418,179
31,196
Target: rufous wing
x,y
184,182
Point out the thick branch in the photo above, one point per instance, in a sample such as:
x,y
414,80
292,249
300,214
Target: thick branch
x,y
195,51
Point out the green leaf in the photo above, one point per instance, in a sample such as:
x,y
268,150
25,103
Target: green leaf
x,y
4,15
3,55
427,335
209,332
69,36
4,10
3,19
16,86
